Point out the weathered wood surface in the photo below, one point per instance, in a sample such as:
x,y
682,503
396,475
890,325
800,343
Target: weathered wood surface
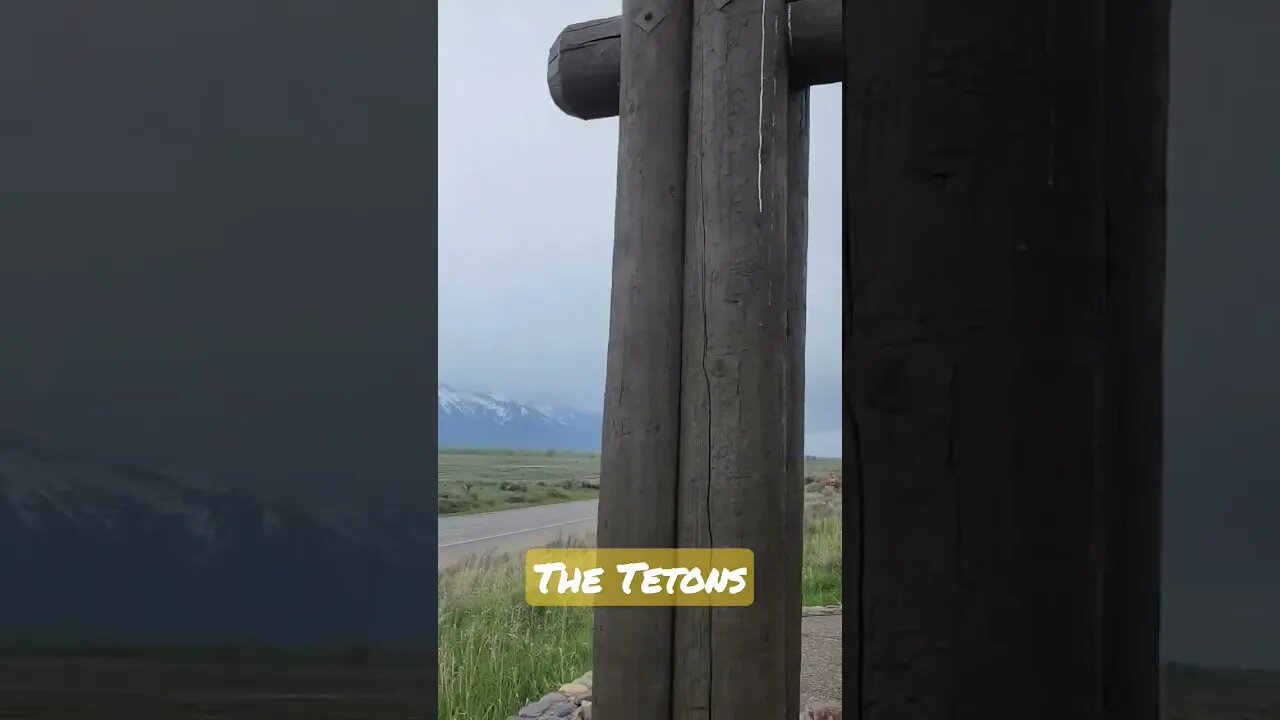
x,y
584,68
976,350
816,37
639,457
1137,102
583,65
732,663
797,302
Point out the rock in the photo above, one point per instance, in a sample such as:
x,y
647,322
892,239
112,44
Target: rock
x,y
534,710
822,711
571,701
574,689
822,610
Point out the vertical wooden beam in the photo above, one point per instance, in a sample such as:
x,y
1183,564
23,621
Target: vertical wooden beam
x,y
731,663
639,458
1137,104
797,288
976,355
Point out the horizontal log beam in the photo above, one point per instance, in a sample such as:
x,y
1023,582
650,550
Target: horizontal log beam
x,y
585,60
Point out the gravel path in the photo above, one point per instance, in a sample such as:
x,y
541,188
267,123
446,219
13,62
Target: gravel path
x,y
819,675
820,662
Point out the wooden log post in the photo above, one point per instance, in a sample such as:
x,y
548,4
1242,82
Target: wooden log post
x,y
977,356
583,65
734,445
639,457
797,289
584,68
743,188
1137,105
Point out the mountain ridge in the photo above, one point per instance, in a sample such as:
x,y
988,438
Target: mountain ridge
x,y
135,555
491,421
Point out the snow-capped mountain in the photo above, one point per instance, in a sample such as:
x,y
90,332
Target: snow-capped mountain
x,y
99,550
485,420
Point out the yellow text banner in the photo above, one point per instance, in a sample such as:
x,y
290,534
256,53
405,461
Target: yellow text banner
x,y
646,577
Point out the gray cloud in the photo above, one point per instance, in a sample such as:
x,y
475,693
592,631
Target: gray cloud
x,y
526,220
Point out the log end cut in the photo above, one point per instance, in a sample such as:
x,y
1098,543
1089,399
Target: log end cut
x,y
583,69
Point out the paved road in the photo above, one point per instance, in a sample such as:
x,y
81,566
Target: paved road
x,y
512,531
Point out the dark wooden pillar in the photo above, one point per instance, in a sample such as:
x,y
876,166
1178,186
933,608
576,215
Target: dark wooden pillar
x,y
977,352
639,457
1137,104
734,342
797,289
732,663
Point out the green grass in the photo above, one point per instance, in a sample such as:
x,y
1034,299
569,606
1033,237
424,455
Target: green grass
x,y
821,467
497,653
473,481
820,574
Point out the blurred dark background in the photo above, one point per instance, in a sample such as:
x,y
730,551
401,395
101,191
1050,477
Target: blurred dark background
x,y
215,239
217,302
214,255
1222,381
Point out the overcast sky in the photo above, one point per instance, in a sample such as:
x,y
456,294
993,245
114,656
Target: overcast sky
x,y
526,220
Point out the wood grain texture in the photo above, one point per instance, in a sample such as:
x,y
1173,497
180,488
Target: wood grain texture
x,y
639,457
817,42
797,288
732,663
1137,106
976,348
583,66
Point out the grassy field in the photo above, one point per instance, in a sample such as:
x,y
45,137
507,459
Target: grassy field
x,y
244,685
474,481
497,653
820,575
